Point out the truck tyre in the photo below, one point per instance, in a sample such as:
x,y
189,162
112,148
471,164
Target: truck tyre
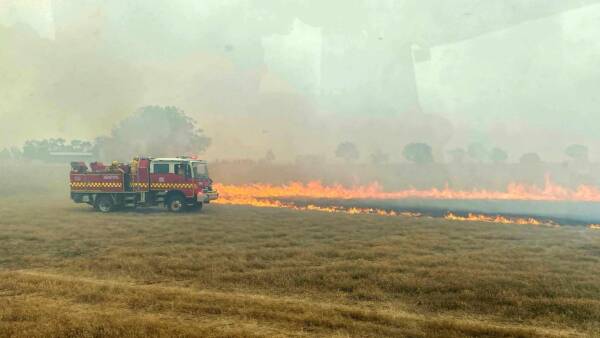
x,y
176,203
104,203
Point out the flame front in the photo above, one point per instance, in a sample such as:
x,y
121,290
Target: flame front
x,y
268,195
499,219
314,189
270,203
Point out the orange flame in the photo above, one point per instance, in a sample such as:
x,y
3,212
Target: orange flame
x,y
314,189
498,219
269,203
267,195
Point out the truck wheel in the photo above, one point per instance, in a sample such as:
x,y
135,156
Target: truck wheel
x,y
176,203
104,204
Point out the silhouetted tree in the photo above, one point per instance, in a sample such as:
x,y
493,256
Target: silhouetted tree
x,y
75,145
57,144
86,146
37,149
41,149
418,152
498,155
530,159
154,131
531,169
577,152
347,151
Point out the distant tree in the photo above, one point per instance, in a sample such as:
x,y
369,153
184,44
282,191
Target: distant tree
x,y
498,155
379,157
154,131
457,155
347,151
57,144
76,145
37,149
577,152
28,149
477,151
79,146
530,159
418,152
41,149
86,146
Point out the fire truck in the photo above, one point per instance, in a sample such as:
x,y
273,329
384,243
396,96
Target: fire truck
x,y
178,183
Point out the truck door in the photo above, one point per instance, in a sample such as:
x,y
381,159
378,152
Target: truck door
x,y
171,176
183,178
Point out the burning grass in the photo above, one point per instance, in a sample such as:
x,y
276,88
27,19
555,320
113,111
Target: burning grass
x,y
240,271
314,189
333,199
499,219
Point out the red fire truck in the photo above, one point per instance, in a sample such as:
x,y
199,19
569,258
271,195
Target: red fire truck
x,y
178,183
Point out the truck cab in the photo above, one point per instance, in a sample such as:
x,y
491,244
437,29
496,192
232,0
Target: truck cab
x,y
188,176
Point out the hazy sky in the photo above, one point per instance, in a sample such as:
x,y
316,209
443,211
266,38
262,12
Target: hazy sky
x,y
299,78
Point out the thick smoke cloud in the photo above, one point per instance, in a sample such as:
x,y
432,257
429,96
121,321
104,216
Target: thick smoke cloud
x,y
298,78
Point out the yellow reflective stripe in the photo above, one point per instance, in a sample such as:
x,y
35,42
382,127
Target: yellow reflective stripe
x,y
96,184
164,185
158,185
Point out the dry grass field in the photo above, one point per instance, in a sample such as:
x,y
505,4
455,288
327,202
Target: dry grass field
x,y
235,271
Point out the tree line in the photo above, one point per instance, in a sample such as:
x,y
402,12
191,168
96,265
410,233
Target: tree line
x,y
168,131
152,130
422,153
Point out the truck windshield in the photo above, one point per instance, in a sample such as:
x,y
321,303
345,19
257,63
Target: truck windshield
x,y
199,169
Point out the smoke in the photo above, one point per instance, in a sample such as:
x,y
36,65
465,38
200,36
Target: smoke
x,y
298,78
62,87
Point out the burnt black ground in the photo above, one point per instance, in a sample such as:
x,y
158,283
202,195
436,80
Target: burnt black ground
x,y
559,212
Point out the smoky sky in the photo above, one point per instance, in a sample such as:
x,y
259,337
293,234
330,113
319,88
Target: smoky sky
x,y
299,77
